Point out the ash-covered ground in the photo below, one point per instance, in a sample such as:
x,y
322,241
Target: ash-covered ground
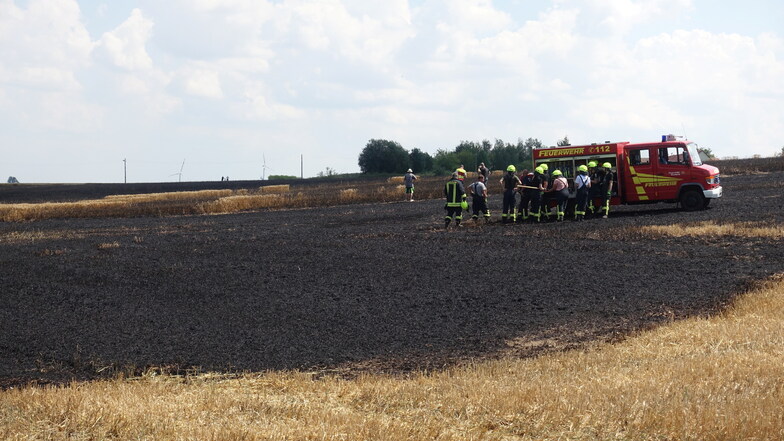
x,y
378,287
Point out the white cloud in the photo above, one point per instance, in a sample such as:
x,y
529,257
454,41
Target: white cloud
x,y
125,46
620,16
44,48
368,39
315,75
202,82
48,57
475,16
722,86
260,109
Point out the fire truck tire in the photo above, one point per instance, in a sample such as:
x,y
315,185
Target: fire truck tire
x,y
692,200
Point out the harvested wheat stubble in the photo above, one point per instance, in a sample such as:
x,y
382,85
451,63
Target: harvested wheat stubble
x,y
364,287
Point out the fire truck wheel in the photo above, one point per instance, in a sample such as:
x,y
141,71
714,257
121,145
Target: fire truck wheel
x,y
692,200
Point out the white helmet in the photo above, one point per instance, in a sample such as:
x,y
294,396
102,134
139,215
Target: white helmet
x,y
409,171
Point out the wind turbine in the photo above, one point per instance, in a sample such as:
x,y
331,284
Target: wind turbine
x,y
263,166
180,173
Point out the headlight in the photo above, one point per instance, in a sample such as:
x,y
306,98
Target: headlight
x,y
713,180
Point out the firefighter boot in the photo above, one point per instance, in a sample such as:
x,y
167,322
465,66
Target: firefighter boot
x,y
536,216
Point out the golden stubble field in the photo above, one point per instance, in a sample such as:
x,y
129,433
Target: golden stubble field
x,y
222,201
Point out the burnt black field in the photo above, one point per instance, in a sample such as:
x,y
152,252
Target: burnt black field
x,y
347,289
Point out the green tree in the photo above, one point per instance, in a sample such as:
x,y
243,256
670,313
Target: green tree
x,y
445,162
526,149
383,156
563,142
503,155
708,152
471,154
420,161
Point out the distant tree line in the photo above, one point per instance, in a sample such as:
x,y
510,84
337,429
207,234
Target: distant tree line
x,y
384,156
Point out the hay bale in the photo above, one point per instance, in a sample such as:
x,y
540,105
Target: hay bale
x,y
274,189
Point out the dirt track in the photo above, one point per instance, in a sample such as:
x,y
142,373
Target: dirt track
x,y
368,287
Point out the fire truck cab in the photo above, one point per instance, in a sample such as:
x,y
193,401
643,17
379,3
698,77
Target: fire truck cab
x,y
666,171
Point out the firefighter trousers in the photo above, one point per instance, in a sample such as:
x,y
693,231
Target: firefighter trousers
x,y
455,213
582,203
536,206
479,205
508,210
561,199
523,212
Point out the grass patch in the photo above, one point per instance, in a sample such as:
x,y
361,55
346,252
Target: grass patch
x,y
716,229
108,245
703,378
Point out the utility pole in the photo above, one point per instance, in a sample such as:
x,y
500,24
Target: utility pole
x,y
302,166
125,171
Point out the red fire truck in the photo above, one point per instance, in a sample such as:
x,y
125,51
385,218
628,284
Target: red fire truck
x,y
666,171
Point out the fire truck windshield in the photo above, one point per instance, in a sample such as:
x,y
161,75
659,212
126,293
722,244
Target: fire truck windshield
x,y
694,154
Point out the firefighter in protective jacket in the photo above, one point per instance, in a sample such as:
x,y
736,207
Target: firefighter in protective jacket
x,y
606,186
454,191
510,181
582,187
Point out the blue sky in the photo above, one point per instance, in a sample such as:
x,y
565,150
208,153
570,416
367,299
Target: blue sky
x,y
231,85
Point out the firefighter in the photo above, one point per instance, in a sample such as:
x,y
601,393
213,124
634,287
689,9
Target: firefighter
x,y
536,195
478,192
461,173
596,175
509,182
582,186
606,187
559,191
545,195
523,212
455,201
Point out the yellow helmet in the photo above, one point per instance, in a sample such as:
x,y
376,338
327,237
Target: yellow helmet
x,y
539,170
544,166
607,165
557,173
592,164
582,168
511,168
